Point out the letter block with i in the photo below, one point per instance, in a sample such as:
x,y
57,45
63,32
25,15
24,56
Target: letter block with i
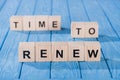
x,y
26,52
29,23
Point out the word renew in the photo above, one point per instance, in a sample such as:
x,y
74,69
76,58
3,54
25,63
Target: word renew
x,y
59,51
34,23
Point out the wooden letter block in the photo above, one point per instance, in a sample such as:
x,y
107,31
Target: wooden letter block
x,y
27,52
59,51
92,51
91,30
76,51
16,23
77,29
54,22
42,22
29,23
43,51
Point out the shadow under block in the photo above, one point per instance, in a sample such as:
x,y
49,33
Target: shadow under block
x,y
76,51
60,51
92,51
16,23
29,23
42,22
84,29
27,52
54,23
43,51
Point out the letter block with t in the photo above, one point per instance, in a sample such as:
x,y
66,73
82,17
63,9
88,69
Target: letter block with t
x,y
92,51
27,52
16,23
84,29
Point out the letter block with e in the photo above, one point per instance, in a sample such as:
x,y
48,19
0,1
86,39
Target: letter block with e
x,y
27,52
43,51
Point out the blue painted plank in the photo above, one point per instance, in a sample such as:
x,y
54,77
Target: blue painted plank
x,y
2,3
10,67
88,69
117,3
8,10
38,70
112,14
63,70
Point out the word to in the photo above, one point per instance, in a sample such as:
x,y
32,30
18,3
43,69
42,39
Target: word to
x,y
34,23
59,51
84,29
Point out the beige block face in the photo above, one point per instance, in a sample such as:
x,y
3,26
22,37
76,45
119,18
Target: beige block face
x,y
76,51
16,23
91,30
77,29
43,51
26,52
42,22
29,23
54,23
60,47
92,51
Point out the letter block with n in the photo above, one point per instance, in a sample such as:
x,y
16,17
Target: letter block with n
x,y
59,51
92,51
27,52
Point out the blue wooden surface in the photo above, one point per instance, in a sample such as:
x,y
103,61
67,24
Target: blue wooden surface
x,y
105,12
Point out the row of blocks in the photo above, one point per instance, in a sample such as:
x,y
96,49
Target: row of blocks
x,y
59,51
32,23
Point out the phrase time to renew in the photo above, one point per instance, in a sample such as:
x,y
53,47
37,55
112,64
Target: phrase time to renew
x,y
59,51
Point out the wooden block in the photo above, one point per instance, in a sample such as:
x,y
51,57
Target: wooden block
x,y
92,51
76,51
54,23
91,30
59,51
77,29
27,52
29,23
16,23
43,51
42,22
